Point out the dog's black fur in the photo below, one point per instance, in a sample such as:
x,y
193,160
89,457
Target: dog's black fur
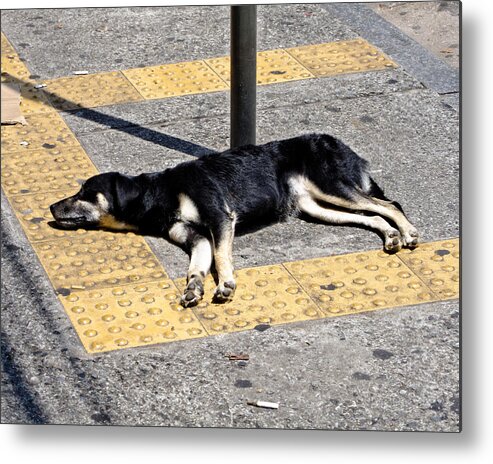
x,y
207,199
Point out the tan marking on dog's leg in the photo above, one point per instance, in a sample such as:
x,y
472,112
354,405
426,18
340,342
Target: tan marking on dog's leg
x,y
223,257
392,236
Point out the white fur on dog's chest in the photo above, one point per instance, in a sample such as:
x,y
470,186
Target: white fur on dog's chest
x,y
187,210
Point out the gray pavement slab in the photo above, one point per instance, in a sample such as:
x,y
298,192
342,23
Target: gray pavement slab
x,y
123,38
416,59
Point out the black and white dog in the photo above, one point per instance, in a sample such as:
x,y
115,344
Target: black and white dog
x,y
199,204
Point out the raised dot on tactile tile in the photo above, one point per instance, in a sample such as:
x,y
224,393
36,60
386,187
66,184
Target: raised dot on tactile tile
x,y
124,302
346,294
240,323
217,327
261,283
350,270
424,295
359,281
356,306
404,275
369,291
264,320
448,268
131,314
393,264
77,309
118,291
114,329
293,290
162,323
379,302
209,315
72,298
381,278
171,296
108,318
278,304
449,292
302,301
148,299
455,278
371,267
101,306
97,346
121,342
232,311
270,293
247,296
361,258
84,321
95,295
426,271
186,318
145,338
310,312
437,282
287,316
138,326
194,331
414,285
90,333
154,311
140,288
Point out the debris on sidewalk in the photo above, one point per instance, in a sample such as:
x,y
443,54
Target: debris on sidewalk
x,y
238,357
263,404
80,73
39,86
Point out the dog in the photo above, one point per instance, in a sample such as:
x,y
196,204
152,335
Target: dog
x,y
200,204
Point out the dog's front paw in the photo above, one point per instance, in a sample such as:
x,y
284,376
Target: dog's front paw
x,y
225,292
411,238
393,240
192,294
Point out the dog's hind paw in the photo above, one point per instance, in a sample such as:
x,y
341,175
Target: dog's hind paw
x,y
393,240
411,238
225,292
192,295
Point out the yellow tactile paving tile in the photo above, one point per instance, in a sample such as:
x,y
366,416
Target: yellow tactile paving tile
x,y
341,57
13,68
43,131
172,80
128,316
44,170
34,100
98,259
360,282
273,66
34,214
437,265
264,295
89,91
6,46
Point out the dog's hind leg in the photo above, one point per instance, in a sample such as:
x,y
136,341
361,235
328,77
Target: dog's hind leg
x,y
392,237
222,238
357,200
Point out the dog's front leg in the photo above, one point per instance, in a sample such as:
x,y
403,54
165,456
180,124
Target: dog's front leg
x,y
200,260
200,264
222,236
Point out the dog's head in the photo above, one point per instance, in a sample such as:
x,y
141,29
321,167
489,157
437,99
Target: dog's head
x,y
102,202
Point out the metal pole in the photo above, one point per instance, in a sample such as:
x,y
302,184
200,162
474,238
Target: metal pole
x,y
243,74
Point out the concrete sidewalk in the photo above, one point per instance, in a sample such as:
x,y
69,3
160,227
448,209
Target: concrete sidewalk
x,y
391,369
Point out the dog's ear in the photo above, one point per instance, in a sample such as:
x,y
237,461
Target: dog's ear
x,y
125,190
